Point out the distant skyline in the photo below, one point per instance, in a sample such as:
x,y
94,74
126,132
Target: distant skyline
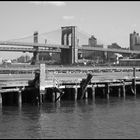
x,y
108,21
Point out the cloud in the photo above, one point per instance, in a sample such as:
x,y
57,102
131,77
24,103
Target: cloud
x,y
54,3
68,17
57,3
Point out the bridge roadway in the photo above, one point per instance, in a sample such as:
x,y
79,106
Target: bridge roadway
x,y
30,50
33,44
88,48
54,47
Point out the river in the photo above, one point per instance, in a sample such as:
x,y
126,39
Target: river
x,y
102,118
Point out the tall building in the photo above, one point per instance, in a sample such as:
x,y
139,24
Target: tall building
x,y
92,41
134,41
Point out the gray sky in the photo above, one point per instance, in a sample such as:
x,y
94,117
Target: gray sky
x,y
108,21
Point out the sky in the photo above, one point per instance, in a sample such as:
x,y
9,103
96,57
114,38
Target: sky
x,y
108,21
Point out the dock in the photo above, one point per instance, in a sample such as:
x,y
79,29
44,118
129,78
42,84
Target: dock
x,y
41,84
76,84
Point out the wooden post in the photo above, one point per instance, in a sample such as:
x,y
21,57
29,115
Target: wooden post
x,y
119,92
108,90
41,101
93,92
42,76
86,94
20,98
58,95
42,82
84,83
75,93
124,89
104,92
53,96
0,98
134,81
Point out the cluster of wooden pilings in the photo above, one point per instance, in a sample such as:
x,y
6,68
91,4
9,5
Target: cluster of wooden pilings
x,y
92,92
20,94
39,91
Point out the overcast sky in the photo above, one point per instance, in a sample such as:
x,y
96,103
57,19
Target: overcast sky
x,y
107,21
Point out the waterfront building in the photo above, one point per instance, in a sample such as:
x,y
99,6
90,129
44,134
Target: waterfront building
x,y
92,41
134,41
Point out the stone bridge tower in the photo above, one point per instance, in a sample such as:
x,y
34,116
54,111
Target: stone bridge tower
x,y
35,58
69,37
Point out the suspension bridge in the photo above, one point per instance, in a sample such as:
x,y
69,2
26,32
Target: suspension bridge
x,y
68,41
22,85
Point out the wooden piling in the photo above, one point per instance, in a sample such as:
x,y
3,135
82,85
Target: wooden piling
x,y
20,98
134,81
119,92
86,94
75,93
104,92
0,98
107,90
41,100
124,92
42,79
42,94
93,92
42,74
84,83
53,96
58,95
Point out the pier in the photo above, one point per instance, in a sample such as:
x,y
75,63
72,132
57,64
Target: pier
x,y
44,84
75,85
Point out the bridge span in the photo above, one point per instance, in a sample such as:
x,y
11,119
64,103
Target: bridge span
x,y
56,48
30,50
89,48
68,48
12,43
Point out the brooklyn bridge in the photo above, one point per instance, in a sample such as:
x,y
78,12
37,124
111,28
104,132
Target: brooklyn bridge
x,y
69,41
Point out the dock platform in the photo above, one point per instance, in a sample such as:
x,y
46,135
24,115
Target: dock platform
x,y
43,83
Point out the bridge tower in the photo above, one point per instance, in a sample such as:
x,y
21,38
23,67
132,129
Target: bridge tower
x,y
69,37
35,58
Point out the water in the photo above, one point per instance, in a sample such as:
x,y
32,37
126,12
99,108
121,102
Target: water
x,y
113,118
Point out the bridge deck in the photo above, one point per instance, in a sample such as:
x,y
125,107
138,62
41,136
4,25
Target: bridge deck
x,y
33,44
89,48
15,49
56,48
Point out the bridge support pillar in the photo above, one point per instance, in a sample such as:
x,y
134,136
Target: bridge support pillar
x,y
35,58
68,37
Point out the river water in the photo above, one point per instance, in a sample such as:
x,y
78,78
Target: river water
x,y
102,118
